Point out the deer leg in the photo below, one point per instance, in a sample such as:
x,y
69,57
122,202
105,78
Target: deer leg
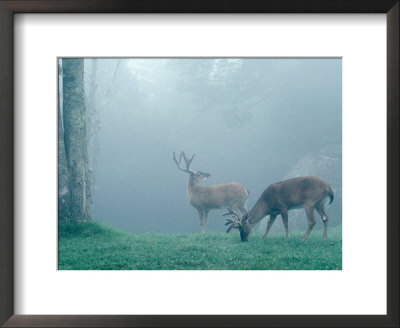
x,y
285,220
269,224
321,211
205,216
201,218
311,220
325,230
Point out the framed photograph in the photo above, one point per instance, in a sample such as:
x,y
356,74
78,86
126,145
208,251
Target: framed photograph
x,y
135,135
150,107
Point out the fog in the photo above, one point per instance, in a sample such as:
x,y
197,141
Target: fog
x,y
249,120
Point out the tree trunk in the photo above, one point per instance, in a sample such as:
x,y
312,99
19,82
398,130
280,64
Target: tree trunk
x,y
92,122
75,140
62,169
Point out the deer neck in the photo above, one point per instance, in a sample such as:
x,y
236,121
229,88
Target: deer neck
x,y
191,186
259,211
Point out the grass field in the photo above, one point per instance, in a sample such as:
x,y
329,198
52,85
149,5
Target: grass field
x,y
93,246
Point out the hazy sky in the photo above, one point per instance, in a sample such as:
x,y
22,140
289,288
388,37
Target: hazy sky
x,y
253,121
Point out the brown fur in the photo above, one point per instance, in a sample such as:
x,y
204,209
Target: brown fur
x,y
206,198
309,192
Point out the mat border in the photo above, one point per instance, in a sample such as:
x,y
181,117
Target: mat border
x,y
10,7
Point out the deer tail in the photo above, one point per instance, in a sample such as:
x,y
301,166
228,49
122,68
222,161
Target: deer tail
x,y
330,194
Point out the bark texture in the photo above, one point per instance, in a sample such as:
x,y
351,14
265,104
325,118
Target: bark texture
x,y
75,141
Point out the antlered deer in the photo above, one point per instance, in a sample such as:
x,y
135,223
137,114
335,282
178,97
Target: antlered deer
x,y
205,198
279,198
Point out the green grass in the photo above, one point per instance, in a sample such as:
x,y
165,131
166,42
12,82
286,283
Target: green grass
x,y
93,246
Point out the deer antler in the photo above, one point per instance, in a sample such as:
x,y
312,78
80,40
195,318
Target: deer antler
x,y
187,170
235,221
235,214
187,161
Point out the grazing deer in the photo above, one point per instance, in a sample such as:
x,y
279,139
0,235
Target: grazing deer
x,y
205,198
279,198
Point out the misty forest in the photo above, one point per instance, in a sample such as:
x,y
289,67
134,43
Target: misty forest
x,y
153,151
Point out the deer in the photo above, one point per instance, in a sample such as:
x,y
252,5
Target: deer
x,y
205,198
309,192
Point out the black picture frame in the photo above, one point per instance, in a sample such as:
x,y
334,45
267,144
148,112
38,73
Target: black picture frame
x,y
10,7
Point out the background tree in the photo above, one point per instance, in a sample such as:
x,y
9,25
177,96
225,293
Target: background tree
x,y
76,201
62,161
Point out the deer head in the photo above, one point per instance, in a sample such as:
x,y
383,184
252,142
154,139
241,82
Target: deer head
x,y
195,176
236,221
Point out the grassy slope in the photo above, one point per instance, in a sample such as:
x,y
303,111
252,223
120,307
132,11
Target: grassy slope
x,y
93,246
